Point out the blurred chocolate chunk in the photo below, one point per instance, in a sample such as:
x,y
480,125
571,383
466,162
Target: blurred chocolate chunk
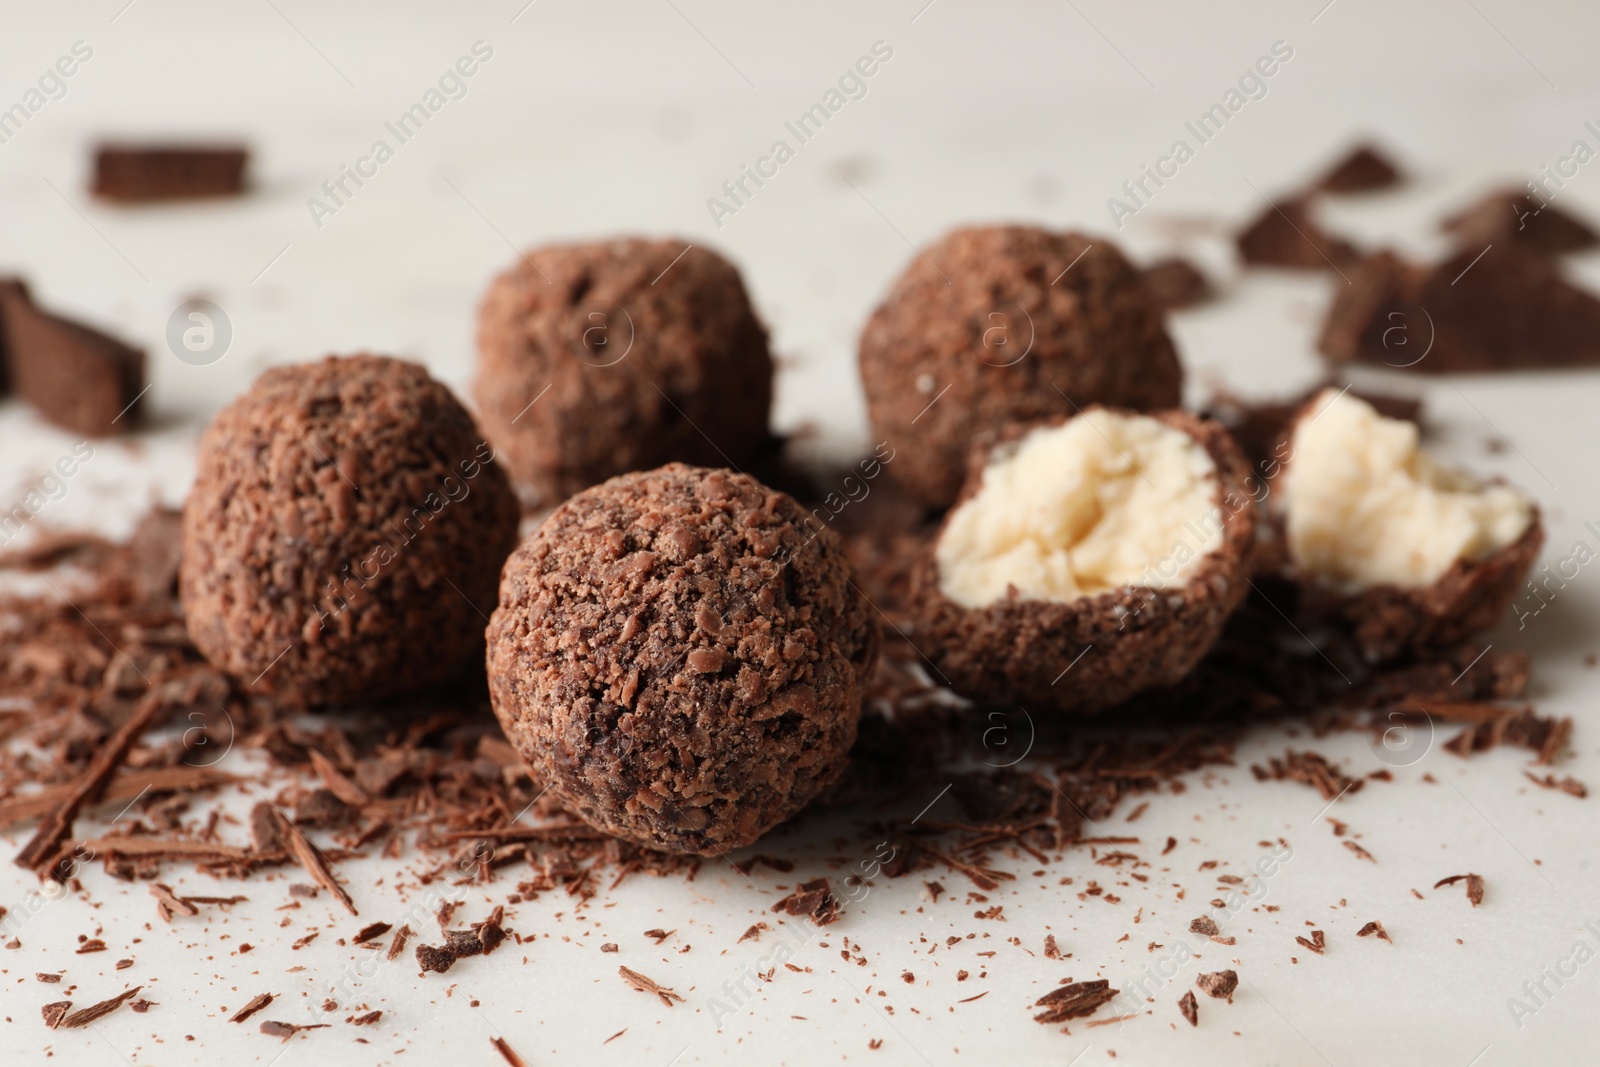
x,y
1363,170
1508,216
79,378
1176,283
1285,235
1503,308
138,173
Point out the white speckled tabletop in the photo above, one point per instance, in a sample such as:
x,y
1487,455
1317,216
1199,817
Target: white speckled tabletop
x,y
592,119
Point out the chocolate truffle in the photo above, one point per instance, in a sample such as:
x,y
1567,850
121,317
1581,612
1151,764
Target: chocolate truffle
x,y
1007,323
344,536
1408,553
680,659
598,359
1087,560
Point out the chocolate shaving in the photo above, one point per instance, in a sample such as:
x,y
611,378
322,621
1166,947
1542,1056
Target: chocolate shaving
x,y
752,934
398,945
1073,1000
85,1016
1375,927
1474,886
507,1052
272,1028
645,985
169,903
370,931
317,867
1310,768
1360,852
368,1019
56,826
54,1012
1568,785
257,1002
1190,1007
1317,942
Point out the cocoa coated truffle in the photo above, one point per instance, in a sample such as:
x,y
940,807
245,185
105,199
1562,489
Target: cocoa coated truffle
x,y
1007,323
680,659
344,535
1087,560
1405,552
598,359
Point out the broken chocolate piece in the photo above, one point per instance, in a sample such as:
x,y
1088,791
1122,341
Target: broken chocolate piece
x,y
1176,283
1364,169
1511,215
1190,1007
1500,307
130,173
1285,235
77,377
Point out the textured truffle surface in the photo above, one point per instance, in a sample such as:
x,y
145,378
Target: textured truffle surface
x,y
1007,323
598,359
345,532
1091,653
680,659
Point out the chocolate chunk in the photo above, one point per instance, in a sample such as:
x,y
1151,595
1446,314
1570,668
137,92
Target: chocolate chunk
x,y
136,173
1286,235
1500,307
1176,283
1512,216
1364,169
77,377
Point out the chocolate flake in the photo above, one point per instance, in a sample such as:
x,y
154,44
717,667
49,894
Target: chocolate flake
x,y
85,1016
1375,927
370,931
811,898
311,859
1360,852
257,1002
645,985
1316,943
752,934
1474,886
55,1011
1073,1000
1190,1007
272,1028
507,1053
398,945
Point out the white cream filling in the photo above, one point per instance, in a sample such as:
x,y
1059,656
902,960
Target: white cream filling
x,y
1365,506
1103,501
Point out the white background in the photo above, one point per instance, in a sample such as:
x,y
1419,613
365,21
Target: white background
x,y
618,118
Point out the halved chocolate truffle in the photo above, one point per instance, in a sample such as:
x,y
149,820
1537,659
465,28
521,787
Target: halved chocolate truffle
x,y
680,658
1087,560
1005,324
344,535
1407,552
597,359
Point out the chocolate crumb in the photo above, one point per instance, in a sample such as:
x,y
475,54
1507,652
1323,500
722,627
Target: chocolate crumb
x,y
55,1011
368,1019
1052,951
1190,1007
1360,852
49,978
752,934
1316,943
1204,925
1219,984
611,946
812,898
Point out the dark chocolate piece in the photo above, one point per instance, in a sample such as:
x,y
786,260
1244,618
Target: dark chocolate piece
x,y
1285,235
138,173
77,377
1176,283
1364,169
1497,308
1512,215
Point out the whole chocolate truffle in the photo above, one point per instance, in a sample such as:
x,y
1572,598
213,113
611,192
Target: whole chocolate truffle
x,y
598,359
1001,324
345,532
1088,559
680,659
